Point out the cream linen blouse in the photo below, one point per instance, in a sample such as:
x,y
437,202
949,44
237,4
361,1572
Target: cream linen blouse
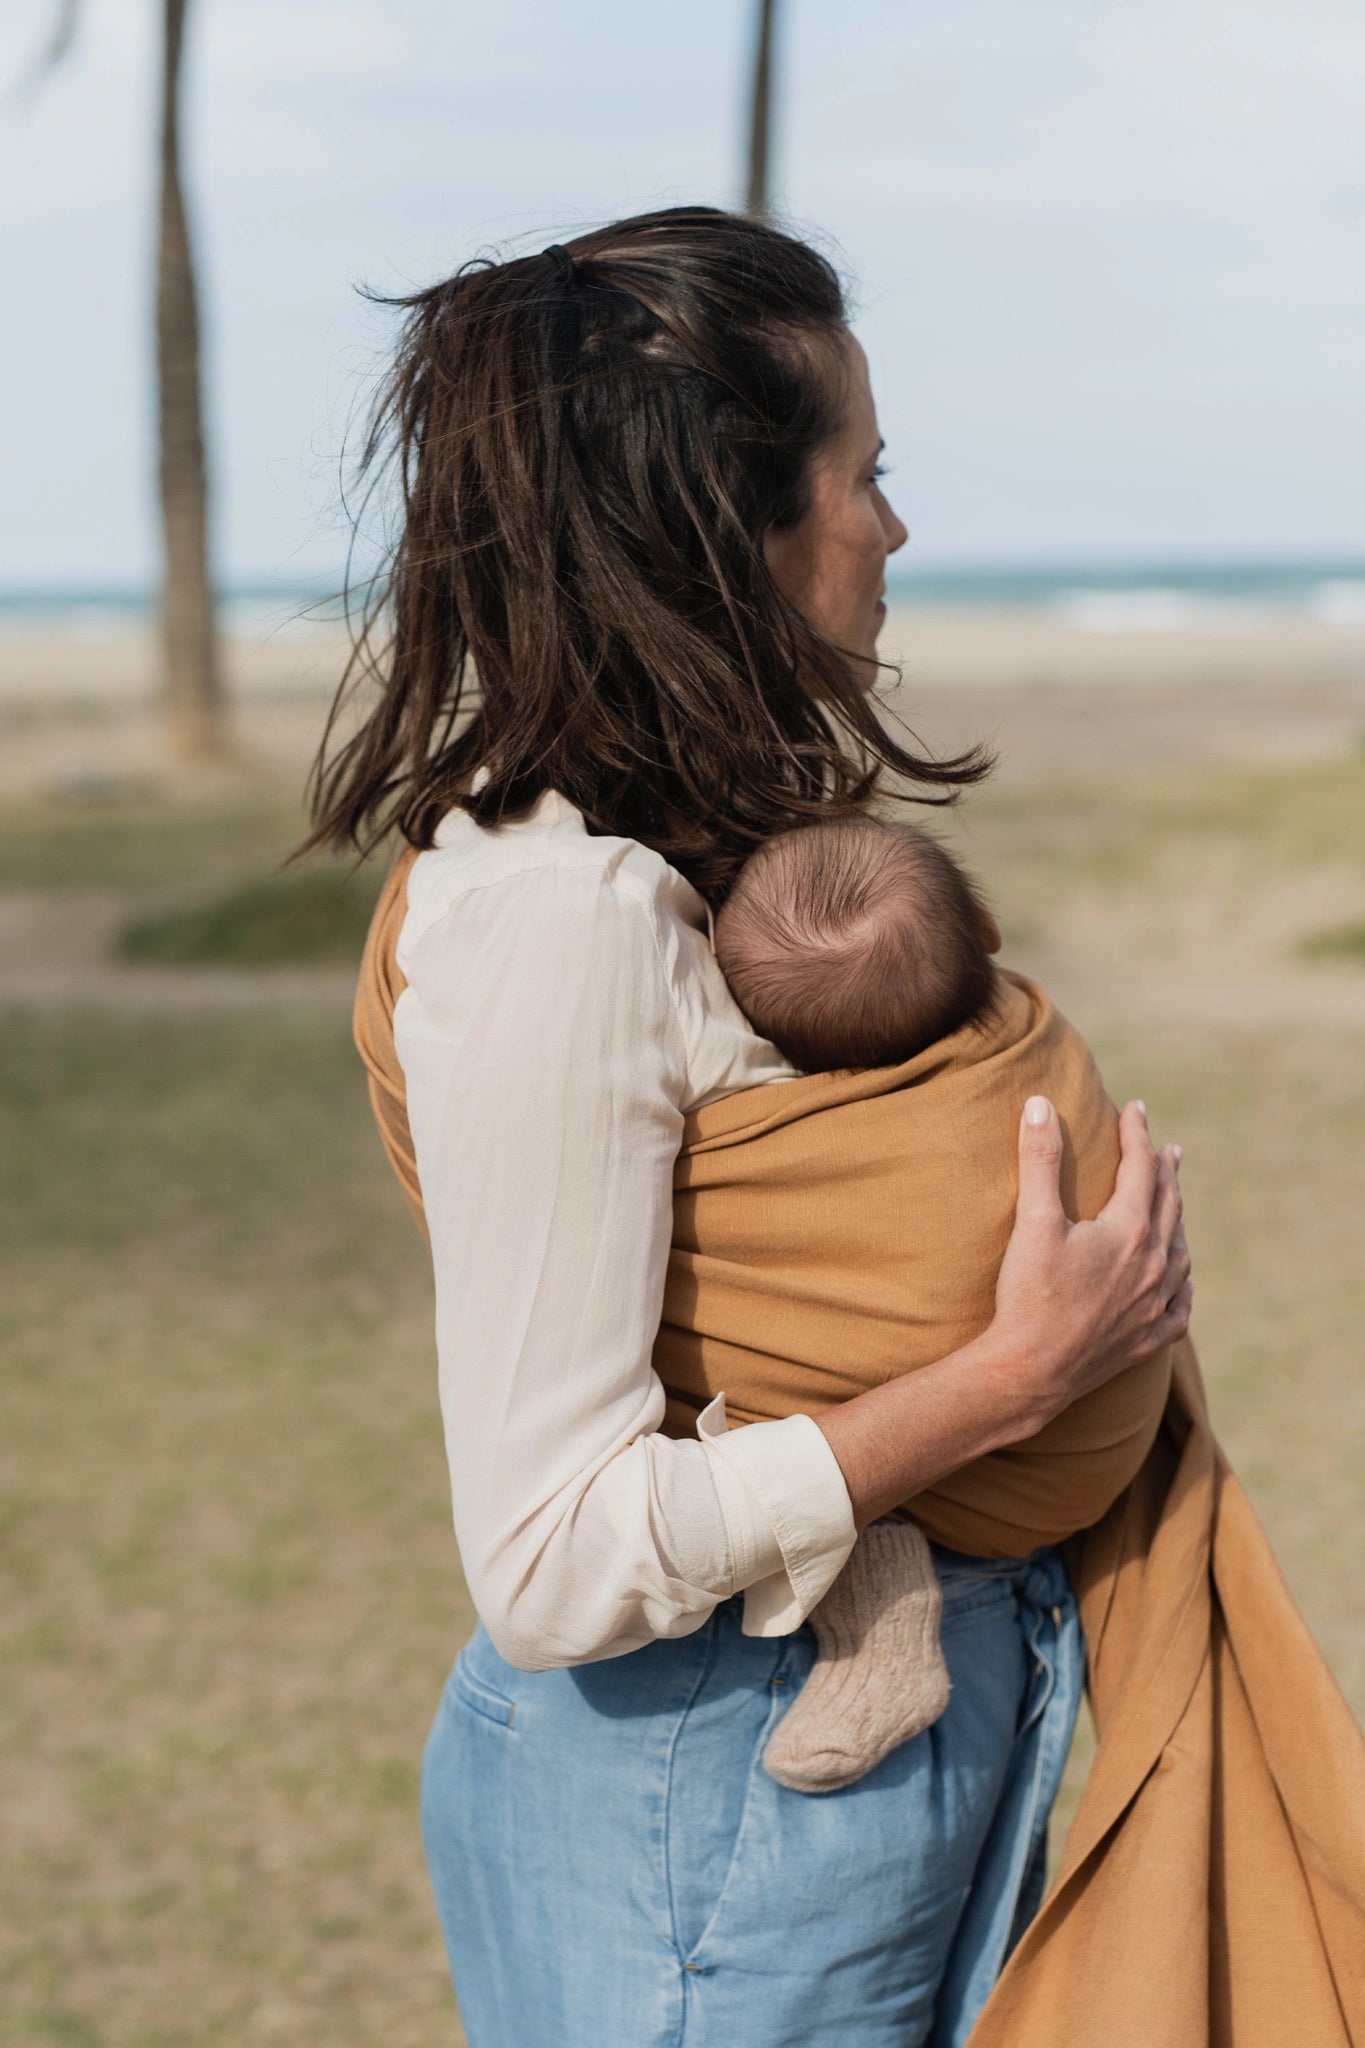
x,y
563,1010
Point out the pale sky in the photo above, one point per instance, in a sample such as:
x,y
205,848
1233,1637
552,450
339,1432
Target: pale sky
x,y
1109,254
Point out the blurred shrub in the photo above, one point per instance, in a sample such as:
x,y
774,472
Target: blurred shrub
x,y
1342,942
308,918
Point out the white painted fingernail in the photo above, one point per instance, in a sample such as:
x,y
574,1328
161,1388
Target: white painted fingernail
x,y
1143,1107
1035,1110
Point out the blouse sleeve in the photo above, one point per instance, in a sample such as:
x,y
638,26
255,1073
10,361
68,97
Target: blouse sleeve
x,y
545,1074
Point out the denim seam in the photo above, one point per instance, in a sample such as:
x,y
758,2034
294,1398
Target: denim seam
x,y
984,1602
745,1819
707,1664
481,1699
1041,1763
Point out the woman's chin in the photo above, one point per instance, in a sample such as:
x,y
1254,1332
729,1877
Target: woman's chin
x,y
867,668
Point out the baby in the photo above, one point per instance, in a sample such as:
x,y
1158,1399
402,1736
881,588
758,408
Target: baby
x,y
858,944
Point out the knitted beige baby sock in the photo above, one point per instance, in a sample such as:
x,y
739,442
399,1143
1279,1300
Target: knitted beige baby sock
x,y
880,1676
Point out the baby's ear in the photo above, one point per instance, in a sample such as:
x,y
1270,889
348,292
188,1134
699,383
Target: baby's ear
x,y
990,930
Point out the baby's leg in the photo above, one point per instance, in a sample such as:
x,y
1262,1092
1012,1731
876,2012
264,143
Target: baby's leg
x,y
880,1677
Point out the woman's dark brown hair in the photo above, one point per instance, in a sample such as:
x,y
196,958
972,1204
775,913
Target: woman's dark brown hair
x,y
591,444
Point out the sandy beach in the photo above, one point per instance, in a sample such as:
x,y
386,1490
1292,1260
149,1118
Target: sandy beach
x,y
1053,698
1057,698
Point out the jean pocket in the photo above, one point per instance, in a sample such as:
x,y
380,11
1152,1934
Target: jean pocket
x,y
480,1697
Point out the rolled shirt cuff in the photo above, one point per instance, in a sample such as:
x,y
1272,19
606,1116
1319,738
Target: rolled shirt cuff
x,y
787,1510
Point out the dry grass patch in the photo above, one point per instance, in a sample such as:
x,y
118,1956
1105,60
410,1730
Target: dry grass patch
x,y
231,1587
142,848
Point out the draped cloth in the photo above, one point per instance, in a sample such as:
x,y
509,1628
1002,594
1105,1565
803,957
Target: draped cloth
x,y
835,1230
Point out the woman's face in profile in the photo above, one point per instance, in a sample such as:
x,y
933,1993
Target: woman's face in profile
x,y
832,563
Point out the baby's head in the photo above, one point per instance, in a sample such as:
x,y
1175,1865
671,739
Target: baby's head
x,y
855,944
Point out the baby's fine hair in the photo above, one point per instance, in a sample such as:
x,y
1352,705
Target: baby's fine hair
x,y
854,943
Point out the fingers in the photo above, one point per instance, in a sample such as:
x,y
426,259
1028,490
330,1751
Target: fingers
x,y
1177,1265
1167,1207
1139,1166
1175,1322
1040,1163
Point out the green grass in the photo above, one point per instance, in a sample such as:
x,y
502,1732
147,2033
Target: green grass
x,y
307,917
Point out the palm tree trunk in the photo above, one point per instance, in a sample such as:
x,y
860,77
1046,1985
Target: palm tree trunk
x,y
760,111
191,672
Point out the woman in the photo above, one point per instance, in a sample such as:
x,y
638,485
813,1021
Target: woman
x,y
641,505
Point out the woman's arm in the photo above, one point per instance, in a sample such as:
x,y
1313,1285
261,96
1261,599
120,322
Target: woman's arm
x,y
1075,1304
545,1073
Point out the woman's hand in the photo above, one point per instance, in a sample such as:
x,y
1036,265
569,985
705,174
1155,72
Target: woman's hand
x,y
1077,1302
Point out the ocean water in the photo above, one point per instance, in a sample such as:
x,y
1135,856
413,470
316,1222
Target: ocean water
x,y
1149,597
1143,597
94,610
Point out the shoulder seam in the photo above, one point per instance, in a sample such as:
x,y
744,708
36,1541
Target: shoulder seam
x,y
628,887
602,871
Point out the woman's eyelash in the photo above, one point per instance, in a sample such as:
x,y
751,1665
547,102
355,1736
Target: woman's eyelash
x,y
880,469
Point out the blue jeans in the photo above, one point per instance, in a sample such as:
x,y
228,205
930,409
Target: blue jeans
x,y
614,1868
